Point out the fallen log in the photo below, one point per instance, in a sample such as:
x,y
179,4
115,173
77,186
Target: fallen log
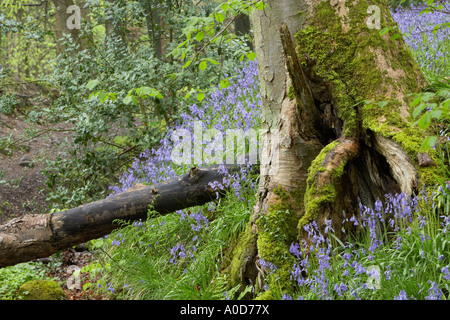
x,y
37,236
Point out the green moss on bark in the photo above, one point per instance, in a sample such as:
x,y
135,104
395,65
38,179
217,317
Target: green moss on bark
x,y
409,137
346,55
357,64
276,234
246,244
41,290
315,198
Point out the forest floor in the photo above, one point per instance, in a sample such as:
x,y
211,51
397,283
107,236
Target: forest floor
x,y
23,188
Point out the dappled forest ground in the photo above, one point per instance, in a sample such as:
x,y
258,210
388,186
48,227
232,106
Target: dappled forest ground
x,y
180,255
22,186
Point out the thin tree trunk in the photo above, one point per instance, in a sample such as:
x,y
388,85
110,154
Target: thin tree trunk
x,y
154,26
242,27
61,17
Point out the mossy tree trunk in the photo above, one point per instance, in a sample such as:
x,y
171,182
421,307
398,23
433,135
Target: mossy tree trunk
x,y
318,61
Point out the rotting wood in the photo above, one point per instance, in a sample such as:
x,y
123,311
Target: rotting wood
x,y
37,236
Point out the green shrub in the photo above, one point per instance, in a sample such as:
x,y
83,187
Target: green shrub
x,y
11,278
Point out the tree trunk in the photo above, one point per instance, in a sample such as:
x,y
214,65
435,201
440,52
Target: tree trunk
x,y
242,27
154,26
318,62
61,19
36,236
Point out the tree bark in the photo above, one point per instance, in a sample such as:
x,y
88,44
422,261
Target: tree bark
x,y
61,17
242,27
36,236
154,26
318,61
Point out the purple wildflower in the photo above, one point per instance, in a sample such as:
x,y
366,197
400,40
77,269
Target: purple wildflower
x,y
340,288
286,297
434,293
401,296
445,270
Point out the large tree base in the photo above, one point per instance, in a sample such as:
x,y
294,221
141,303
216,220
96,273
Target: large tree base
x,y
335,151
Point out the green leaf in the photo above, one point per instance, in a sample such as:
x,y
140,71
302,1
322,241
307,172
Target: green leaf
x,y
425,121
225,83
202,65
201,96
444,93
428,143
416,100
219,17
92,84
200,35
395,36
437,27
446,104
418,110
213,61
182,44
436,114
187,64
381,104
102,96
384,31
367,104
251,56
432,106
225,6
260,5
427,96
144,91
128,99
86,286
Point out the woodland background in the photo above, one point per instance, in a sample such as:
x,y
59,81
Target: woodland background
x,y
89,113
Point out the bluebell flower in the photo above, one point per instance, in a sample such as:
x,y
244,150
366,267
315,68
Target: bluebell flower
x,y
328,226
445,270
110,288
422,221
434,293
340,288
401,296
295,249
286,297
387,273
